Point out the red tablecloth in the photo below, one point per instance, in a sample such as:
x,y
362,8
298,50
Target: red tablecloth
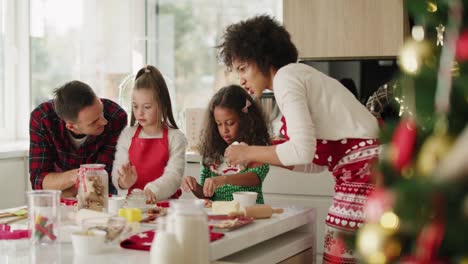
x,y
143,240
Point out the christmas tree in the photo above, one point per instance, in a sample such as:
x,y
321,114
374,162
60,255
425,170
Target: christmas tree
x,y
419,210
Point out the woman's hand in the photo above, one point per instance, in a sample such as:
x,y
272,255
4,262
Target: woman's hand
x,y
189,184
150,197
236,154
127,176
211,184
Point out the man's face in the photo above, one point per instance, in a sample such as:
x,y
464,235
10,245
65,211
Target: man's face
x,y
90,120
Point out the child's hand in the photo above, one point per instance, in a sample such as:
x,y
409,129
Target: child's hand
x,y
189,183
150,197
211,184
127,176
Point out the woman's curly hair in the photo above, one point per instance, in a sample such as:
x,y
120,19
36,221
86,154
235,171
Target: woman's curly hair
x,y
253,128
260,39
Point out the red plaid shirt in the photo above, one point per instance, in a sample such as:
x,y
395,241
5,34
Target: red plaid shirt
x,y
51,149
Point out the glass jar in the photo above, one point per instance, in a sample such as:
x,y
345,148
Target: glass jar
x,y
189,222
93,187
136,199
44,216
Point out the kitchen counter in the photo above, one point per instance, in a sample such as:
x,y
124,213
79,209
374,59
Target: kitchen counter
x,y
287,188
264,241
14,149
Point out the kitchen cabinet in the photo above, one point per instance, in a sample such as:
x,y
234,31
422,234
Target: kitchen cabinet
x,y
324,29
13,180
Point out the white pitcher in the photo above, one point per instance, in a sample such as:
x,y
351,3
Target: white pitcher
x,y
165,248
190,226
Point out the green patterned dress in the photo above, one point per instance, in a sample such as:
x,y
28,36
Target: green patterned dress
x,y
224,193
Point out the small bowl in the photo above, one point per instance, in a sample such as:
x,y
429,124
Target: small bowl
x,y
88,242
113,226
245,199
66,231
114,204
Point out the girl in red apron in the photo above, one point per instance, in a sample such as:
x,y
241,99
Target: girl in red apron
x,y
151,155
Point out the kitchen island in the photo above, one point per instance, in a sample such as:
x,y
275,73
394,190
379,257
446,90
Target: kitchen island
x,y
284,238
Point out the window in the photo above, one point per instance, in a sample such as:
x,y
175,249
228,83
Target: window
x,y
104,42
86,40
7,64
185,33
2,65
101,42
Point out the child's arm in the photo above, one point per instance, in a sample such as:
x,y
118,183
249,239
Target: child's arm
x,y
249,177
127,176
190,184
121,158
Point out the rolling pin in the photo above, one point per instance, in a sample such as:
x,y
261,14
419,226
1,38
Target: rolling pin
x,y
258,211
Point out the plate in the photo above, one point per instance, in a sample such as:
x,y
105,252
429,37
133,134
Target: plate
x,y
225,223
153,212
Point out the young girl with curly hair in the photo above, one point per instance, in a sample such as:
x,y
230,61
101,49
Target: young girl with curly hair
x,y
232,116
328,127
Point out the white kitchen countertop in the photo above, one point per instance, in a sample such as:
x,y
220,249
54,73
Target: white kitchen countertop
x,y
14,149
264,241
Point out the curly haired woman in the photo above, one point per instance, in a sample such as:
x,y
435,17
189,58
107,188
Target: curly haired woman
x,y
326,124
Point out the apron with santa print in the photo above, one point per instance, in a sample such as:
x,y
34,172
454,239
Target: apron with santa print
x,y
350,161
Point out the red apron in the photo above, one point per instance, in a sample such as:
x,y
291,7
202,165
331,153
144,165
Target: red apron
x,y
350,161
150,157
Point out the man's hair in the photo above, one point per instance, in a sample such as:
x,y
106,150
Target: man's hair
x,y
71,98
260,39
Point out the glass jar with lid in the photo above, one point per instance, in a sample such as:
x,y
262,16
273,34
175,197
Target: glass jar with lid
x,y
93,187
136,199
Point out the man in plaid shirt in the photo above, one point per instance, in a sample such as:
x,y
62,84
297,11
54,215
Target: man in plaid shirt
x,y
73,129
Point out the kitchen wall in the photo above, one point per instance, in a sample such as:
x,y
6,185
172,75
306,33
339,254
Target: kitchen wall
x,y
13,179
367,74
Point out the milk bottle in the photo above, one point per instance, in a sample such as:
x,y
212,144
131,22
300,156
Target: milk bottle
x,y
190,225
165,248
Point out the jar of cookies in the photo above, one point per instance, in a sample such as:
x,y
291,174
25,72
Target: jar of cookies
x,y
93,187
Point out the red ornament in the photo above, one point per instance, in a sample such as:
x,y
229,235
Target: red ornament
x,y
402,145
429,241
461,52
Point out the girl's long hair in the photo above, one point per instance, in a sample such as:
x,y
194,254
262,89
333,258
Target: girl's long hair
x,y
149,77
253,128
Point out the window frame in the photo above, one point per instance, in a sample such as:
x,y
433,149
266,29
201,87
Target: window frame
x,y
16,60
8,16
